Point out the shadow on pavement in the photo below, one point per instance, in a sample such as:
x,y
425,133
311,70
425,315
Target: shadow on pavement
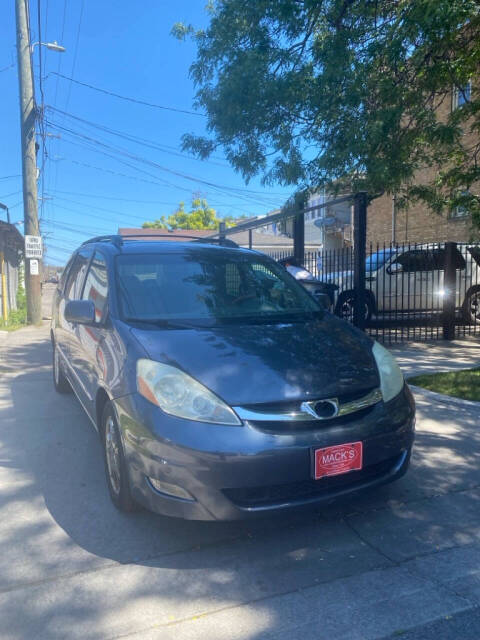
x,y
120,568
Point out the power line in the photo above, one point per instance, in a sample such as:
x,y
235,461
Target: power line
x,y
93,215
103,197
57,80
238,192
40,119
17,175
72,73
151,144
144,180
137,139
6,68
14,193
128,98
76,229
39,26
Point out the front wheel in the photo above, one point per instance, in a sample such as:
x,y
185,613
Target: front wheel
x,y
471,306
115,464
346,303
60,381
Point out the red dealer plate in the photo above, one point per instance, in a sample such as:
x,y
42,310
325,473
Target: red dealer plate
x,y
332,461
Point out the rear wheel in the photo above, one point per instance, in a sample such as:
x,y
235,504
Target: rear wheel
x,y
471,306
60,381
116,470
346,303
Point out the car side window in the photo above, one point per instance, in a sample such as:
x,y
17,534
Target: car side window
x,y
76,274
416,260
439,256
65,273
96,286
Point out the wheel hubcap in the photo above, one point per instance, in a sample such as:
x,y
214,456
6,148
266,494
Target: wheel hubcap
x,y
113,454
475,306
348,307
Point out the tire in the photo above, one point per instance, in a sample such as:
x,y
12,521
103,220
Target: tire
x,y
116,470
60,381
471,306
345,304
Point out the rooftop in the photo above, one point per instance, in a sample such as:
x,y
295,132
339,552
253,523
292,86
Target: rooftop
x,y
259,240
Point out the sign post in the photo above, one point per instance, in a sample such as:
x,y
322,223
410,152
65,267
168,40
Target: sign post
x,y
33,247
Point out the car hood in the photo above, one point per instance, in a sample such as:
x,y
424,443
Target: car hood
x,y
250,364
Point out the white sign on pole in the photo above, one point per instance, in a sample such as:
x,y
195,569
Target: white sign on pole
x,y
34,267
33,247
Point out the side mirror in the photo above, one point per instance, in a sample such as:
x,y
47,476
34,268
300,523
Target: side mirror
x,y
323,299
394,268
80,312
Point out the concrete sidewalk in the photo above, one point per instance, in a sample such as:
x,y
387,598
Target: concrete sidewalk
x,y
403,558
437,355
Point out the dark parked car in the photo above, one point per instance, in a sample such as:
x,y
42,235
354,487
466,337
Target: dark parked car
x,y
323,291
221,388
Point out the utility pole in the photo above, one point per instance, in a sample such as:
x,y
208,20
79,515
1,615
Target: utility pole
x,y
29,160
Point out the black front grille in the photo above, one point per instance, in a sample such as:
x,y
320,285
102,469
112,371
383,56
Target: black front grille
x,y
307,489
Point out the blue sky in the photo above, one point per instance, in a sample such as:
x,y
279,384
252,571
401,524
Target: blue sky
x,y
90,189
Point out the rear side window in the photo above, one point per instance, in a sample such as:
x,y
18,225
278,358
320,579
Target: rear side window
x,y
416,260
76,274
65,273
96,286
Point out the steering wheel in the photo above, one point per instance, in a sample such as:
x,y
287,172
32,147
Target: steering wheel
x,y
243,298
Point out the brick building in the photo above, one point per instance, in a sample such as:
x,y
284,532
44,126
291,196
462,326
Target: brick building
x,y
388,223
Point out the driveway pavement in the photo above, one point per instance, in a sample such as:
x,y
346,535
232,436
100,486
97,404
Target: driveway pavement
x,y
401,561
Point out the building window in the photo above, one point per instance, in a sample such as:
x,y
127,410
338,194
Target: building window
x,y
461,210
461,95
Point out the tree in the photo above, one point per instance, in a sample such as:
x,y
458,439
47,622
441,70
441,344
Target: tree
x,y
201,216
343,94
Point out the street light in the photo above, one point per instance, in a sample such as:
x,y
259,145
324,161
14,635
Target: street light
x,y
53,46
5,208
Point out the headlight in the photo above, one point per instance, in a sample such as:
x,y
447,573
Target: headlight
x,y
391,378
180,395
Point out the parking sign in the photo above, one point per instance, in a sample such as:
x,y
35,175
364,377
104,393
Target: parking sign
x,y
33,247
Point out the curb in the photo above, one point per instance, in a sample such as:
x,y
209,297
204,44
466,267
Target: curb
x,y
444,398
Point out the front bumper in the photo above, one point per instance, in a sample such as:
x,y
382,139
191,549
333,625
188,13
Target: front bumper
x,y
237,472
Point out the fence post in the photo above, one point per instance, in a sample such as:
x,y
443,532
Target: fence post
x,y
450,291
221,231
359,255
299,237
250,243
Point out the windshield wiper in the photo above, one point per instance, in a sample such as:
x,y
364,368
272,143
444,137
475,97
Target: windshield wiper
x,y
163,323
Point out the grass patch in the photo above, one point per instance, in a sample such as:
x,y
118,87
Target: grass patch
x,y
460,384
18,318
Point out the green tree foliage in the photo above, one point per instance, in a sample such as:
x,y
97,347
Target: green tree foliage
x,y
200,216
343,93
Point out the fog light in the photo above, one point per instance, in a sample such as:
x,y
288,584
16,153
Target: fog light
x,y
171,490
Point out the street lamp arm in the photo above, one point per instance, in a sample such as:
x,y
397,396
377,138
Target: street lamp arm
x,y
53,46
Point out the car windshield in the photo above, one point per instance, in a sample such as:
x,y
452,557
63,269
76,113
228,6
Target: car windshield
x,y
377,260
198,286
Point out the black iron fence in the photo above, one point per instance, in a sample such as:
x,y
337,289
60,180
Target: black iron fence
x,y
394,292
412,291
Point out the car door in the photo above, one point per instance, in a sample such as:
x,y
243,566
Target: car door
x,y
94,350
67,332
409,273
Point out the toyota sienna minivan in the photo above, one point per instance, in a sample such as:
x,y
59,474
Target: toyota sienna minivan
x,y
219,386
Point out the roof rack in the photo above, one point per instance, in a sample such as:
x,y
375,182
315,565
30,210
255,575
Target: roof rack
x,y
118,240
115,239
